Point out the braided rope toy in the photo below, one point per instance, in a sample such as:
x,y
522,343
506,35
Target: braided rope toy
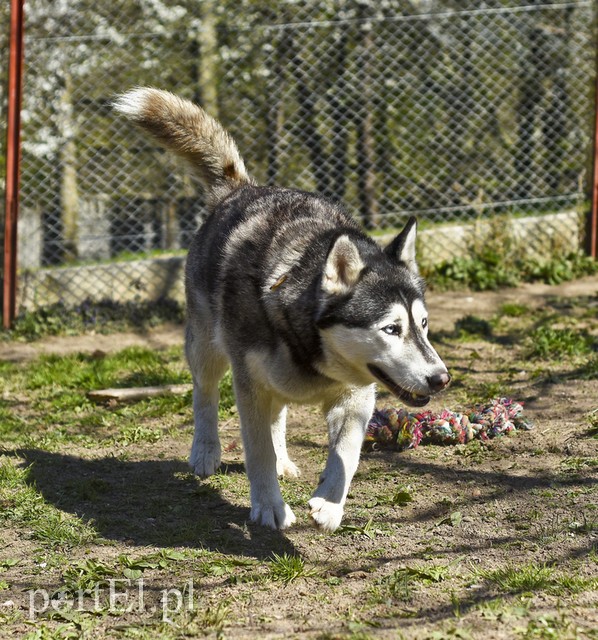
x,y
398,429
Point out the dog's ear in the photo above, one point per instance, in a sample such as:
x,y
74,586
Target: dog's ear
x,y
343,267
402,248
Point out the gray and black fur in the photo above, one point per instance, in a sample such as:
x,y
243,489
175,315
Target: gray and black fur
x,y
283,285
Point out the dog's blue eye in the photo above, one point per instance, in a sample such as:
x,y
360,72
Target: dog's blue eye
x,y
424,322
392,329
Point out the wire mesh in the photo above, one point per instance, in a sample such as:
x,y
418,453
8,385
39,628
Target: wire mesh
x,y
455,111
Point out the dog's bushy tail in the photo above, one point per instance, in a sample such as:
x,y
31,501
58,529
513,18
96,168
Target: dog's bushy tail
x,y
189,132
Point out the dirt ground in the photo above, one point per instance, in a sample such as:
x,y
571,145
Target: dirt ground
x,y
485,540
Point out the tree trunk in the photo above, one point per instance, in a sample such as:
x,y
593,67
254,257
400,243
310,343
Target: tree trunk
x,y
307,113
530,95
364,116
557,115
208,61
69,194
274,108
338,99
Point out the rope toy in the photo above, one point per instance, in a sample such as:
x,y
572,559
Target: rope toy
x,y
398,429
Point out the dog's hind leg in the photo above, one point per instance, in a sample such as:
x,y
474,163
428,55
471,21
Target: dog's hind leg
x,y
284,465
347,418
207,365
258,411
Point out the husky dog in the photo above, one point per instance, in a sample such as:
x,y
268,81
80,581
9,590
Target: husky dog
x,y
285,287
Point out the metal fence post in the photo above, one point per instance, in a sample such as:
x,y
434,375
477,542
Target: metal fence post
x,y
592,227
13,150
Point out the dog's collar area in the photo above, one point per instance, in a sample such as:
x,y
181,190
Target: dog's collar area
x,y
412,399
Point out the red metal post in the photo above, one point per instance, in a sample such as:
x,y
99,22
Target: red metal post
x,y
592,227
13,158
593,224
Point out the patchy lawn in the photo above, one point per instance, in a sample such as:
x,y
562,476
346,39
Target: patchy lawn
x,y
106,534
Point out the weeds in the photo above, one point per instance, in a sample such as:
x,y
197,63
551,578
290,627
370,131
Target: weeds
x,y
288,568
551,342
188,624
227,397
368,530
60,632
400,584
513,310
135,434
133,366
427,575
86,576
397,586
402,497
552,628
532,578
495,258
590,369
103,317
576,464
518,579
473,327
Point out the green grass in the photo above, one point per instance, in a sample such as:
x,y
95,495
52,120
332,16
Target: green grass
x,y
558,339
576,464
288,568
368,530
554,627
227,397
23,505
57,386
534,578
553,342
398,586
90,574
198,623
428,574
497,263
401,585
12,426
518,579
137,433
514,310
86,576
133,366
589,369
471,326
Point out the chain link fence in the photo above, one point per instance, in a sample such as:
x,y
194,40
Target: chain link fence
x,y
458,111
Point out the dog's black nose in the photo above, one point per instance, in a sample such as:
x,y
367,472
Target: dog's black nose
x,y
438,381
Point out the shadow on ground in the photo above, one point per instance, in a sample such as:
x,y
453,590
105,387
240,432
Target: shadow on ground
x,y
154,502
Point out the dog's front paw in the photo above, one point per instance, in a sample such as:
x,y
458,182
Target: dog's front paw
x,y
287,468
205,458
326,515
275,516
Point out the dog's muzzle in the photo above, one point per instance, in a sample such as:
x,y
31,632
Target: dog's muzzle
x,y
436,383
